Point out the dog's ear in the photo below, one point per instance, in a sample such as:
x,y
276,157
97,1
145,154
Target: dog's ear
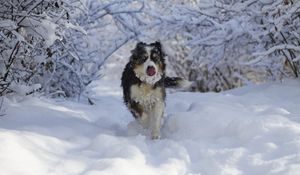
x,y
138,46
158,46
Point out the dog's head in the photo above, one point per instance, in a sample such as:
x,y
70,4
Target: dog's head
x,y
148,62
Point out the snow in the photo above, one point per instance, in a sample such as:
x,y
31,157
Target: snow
x,y
250,130
24,89
266,1
45,29
8,24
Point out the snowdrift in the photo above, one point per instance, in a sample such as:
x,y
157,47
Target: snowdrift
x,y
250,130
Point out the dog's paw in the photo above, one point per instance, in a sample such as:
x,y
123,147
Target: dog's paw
x,y
155,135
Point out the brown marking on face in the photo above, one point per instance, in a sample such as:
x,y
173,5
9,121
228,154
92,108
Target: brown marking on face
x,y
139,69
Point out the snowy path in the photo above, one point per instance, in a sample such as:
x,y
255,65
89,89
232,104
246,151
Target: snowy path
x,y
252,131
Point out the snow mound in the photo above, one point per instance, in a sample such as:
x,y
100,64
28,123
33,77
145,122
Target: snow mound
x,y
250,130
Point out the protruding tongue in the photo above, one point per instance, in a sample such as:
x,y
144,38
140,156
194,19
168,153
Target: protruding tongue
x,y
151,71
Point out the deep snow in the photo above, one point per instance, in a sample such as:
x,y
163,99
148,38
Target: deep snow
x,y
253,130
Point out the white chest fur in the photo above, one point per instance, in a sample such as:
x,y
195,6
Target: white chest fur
x,y
146,95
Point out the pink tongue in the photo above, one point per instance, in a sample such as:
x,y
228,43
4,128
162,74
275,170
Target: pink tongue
x,y
151,71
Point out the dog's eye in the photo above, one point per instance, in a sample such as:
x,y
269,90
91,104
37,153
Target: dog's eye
x,y
141,59
145,57
155,57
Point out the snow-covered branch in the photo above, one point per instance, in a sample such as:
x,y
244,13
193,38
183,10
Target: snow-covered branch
x,y
1,106
61,44
276,48
241,40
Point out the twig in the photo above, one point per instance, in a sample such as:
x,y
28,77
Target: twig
x,y
29,11
287,58
1,106
292,56
10,61
114,50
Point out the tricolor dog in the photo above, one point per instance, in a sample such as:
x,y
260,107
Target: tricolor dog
x,y
144,82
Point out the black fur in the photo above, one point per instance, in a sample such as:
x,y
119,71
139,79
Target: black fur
x,y
172,82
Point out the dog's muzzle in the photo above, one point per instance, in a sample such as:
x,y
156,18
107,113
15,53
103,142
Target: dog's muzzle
x,y
151,70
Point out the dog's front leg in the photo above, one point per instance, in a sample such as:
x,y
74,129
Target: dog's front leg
x,y
156,115
144,120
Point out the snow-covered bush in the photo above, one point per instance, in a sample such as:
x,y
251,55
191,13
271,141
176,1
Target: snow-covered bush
x,y
278,24
58,46
224,44
33,47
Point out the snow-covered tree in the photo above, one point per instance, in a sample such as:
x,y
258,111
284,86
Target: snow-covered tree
x,y
224,44
58,46
27,31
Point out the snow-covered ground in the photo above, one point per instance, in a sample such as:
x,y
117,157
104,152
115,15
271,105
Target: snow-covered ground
x,y
253,130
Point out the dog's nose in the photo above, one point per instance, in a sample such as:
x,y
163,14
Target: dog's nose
x,y
151,70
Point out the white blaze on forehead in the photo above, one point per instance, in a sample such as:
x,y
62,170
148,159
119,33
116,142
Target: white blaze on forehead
x,y
148,50
149,62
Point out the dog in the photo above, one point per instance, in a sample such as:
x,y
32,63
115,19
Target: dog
x,y
144,84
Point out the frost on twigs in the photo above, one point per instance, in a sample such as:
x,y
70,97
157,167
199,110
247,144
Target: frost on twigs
x,y
1,106
32,40
226,44
60,45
